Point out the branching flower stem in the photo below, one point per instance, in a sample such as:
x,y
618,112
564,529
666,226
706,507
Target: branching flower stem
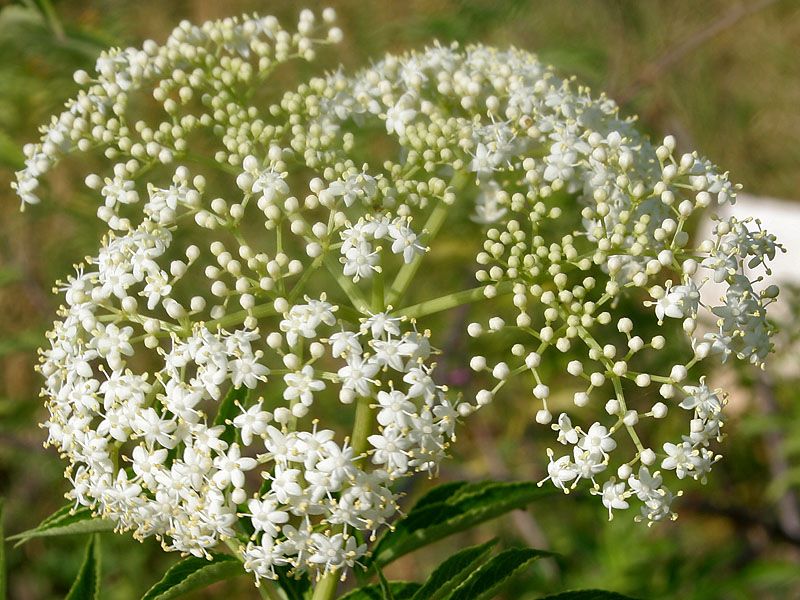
x,y
429,307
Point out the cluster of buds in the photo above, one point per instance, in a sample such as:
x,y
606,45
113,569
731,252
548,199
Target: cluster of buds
x,y
237,294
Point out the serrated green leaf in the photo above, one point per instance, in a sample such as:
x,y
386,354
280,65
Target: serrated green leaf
x,y
588,595
440,493
453,571
400,590
66,522
87,584
227,410
488,578
464,506
60,514
193,573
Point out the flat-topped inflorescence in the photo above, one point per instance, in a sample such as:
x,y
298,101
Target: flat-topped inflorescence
x,y
185,374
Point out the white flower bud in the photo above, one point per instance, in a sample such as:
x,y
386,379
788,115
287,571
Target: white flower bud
x,y
631,418
483,397
647,456
477,363
580,399
678,373
532,360
474,329
543,416
625,325
500,371
574,367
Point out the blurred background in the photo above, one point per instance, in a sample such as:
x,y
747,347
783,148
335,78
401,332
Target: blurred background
x,y
721,75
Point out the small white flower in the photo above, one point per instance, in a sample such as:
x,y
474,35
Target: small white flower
x,y
231,468
302,385
614,496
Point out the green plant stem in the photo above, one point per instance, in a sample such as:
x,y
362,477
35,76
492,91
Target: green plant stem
x,y
268,591
378,301
406,274
326,586
262,310
449,301
325,589
347,285
362,426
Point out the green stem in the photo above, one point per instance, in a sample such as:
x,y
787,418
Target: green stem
x,y
347,285
262,310
378,301
267,591
335,269
362,426
326,586
300,285
211,163
623,409
449,301
406,273
52,19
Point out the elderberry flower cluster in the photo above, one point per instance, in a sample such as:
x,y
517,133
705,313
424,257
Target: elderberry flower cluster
x,y
243,288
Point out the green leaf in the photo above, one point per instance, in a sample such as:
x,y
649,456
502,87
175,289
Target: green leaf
x,y
227,410
588,595
193,573
87,584
488,578
453,571
65,522
3,582
400,590
440,493
456,508
386,588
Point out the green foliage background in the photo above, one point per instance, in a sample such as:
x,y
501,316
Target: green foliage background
x,y
724,76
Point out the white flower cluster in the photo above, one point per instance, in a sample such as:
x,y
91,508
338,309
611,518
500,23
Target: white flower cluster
x,y
581,218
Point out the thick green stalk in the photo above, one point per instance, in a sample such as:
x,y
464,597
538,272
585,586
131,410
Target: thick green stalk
x,y
267,591
362,426
326,586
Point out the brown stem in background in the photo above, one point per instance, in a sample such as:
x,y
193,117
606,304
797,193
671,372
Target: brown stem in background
x,y
654,70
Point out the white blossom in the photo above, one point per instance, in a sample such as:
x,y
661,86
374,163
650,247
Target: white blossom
x,y
196,353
